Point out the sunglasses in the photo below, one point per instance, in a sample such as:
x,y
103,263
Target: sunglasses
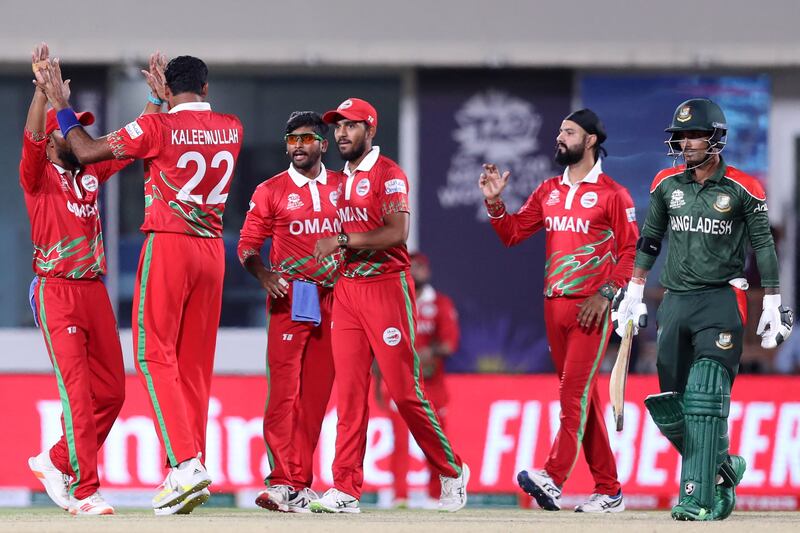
x,y
304,138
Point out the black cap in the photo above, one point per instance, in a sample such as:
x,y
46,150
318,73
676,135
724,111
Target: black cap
x,y
589,121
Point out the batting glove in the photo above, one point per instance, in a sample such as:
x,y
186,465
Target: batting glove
x,y
776,321
627,306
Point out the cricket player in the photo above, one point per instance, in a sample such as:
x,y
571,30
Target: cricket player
x,y
590,246
437,339
189,155
710,210
374,314
294,209
70,302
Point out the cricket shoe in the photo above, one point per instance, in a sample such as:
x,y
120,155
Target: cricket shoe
x,y
540,485
335,501
55,482
94,505
189,504
725,492
181,482
689,509
602,503
275,498
454,491
300,501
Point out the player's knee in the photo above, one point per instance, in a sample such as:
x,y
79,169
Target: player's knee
x,y
708,389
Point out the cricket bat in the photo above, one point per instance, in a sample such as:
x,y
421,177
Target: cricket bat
x,y
619,376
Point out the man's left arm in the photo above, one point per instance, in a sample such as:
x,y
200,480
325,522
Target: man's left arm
x,y
622,217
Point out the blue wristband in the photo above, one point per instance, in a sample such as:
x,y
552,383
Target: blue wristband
x,y
67,119
154,100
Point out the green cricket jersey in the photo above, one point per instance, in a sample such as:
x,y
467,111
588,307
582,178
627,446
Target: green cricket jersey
x,y
708,225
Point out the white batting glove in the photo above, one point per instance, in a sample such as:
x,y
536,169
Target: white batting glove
x,y
629,307
776,321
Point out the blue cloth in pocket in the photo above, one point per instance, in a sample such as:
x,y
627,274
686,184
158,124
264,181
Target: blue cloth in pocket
x,y
32,296
305,302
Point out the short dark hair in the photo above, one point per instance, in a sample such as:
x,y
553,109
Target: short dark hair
x,y
298,119
186,74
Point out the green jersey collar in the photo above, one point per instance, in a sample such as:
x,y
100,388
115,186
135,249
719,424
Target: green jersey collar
x,y
687,176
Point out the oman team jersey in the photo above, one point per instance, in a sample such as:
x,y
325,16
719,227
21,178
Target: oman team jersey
x,y
295,212
378,187
591,231
189,154
437,325
62,207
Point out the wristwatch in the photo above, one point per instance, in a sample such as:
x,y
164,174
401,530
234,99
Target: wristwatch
x,y
342,239
607,291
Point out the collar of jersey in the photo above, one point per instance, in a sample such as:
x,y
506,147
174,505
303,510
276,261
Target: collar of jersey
x,y
591,177
687,176
426,295
367,163
65,171
191,106
302,181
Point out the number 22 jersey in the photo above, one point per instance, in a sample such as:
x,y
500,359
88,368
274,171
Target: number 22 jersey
x,y
189,154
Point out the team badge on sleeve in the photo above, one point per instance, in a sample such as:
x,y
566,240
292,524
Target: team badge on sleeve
x,y
631,214
133,129
395,186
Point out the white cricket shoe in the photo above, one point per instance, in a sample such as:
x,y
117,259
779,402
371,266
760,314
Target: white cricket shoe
x,y
94,505
55,482
187,505
541,486
300,501
335,501
602,503
275,498
454,491
181,482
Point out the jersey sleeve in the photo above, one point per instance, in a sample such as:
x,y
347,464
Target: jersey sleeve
x,y
513,229
655,226
32,162
140,139
622,218
757,222
257,226
447,331
394,192
106,169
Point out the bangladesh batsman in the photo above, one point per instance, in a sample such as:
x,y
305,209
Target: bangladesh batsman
x,y
709,210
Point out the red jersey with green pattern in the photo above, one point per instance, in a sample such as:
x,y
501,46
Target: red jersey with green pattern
x,y
437,326
378,187
189,154
294,211
591,231
62,207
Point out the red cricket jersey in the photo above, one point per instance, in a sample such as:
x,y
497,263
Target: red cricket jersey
x,y
378,187
295,212
437,324
189,154
591,231
62,207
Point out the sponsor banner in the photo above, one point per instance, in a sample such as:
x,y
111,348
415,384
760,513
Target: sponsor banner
x,y
498,424
510,118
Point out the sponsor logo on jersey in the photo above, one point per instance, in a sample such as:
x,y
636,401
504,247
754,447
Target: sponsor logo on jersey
x,y
82,210
723,203
760,208
334,197
89,182
711,226
395,186
725,340
589,199
631,214
353,214
685,114
133,129
554,198
363,187
293,201
573,224
676,200
314,226
392,336
252,205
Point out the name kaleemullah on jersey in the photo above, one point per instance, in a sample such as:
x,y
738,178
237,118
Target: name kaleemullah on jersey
x,y
711,226
223,136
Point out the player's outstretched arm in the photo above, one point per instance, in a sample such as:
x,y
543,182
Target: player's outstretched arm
x,y
157,82
37,111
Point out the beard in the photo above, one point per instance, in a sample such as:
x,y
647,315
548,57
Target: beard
x,y
569,156
69,158
354,150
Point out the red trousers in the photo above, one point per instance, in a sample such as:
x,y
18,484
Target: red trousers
x,y
400,456
577,353
80,333
176,308
299,380
374,318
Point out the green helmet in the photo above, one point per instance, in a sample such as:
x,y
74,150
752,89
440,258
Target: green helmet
x,y
698,114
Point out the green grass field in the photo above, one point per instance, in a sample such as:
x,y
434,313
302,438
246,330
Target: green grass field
x,y
374,521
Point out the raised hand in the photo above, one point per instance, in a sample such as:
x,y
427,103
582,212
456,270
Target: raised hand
x,y
492,182
155,75
39,56
48,79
